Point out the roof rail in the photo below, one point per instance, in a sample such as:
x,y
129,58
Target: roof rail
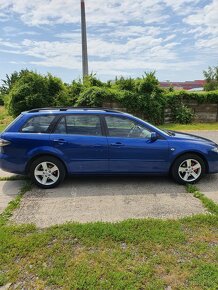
x,y
72,108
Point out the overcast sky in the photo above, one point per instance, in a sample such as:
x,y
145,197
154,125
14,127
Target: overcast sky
x,y
177,38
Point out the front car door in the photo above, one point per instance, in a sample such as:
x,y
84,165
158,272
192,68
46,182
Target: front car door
x,y
131,149
79,137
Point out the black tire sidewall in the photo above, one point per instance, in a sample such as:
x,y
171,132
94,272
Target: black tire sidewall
x,y
177,163
53,160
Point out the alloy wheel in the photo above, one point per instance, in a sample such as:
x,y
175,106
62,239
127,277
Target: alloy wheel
x,y
189,170
46,173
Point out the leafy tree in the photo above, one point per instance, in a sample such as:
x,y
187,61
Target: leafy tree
x,y
148,83
150,98
8,83
125,84
74,90
32,90
91,81
57,92
95,96
211,77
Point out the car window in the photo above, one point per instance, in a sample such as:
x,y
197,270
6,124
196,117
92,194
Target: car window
x,y
38,124
124,127
79,125
61,127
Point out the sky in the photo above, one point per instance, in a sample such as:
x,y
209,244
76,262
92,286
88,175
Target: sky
x,y
176,38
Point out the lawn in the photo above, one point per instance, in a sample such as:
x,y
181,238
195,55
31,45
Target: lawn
x,y
5,119
133,254
194,126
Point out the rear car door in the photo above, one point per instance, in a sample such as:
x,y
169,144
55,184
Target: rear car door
x,y
131,149
81,140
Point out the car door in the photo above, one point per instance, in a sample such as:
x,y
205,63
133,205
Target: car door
x,y
131,149
80,139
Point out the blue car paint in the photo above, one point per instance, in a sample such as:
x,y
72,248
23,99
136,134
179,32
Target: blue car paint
x,y
101,154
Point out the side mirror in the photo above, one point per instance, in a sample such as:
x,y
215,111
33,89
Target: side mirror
x,y
153,136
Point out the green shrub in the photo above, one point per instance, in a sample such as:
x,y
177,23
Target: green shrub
x,y
1,99
96,96
184,115
147,99
143,96
32,90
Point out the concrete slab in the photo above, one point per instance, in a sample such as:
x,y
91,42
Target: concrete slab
x,y
8,191
106,199
209,186
212,195
5,174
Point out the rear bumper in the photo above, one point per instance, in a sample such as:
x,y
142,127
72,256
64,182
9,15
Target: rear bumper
x,y
11,165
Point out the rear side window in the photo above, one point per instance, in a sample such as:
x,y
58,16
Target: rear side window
x,y
38,124
79,125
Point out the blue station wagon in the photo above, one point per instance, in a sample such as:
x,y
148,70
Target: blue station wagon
x,y
49,143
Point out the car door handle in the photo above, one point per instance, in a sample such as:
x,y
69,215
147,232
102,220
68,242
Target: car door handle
x,y
118,144
60,141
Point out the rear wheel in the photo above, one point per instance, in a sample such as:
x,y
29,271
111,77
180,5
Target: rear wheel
x,y
47,172
188,168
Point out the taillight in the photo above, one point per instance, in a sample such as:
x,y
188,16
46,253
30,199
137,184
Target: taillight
x,y
4,142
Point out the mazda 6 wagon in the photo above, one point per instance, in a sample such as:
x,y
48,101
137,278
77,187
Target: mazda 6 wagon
x,y
50,143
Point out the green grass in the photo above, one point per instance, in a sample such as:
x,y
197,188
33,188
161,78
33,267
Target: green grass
x,y
14,177
211,206
5,119
194,126
133,254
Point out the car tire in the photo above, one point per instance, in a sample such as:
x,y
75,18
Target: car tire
x,y
188,169
47,172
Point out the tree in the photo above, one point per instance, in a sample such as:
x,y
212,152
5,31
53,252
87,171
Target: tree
x,y
92,81
57,92
127,84
211,77
8,83
150,98
95,96
33,90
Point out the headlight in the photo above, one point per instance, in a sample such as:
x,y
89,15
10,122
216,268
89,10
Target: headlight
x,y
215,149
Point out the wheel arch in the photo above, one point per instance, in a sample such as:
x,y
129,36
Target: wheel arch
x,y
27,169
194,153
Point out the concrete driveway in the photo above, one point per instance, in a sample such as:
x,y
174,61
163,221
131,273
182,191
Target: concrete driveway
x,y
111,199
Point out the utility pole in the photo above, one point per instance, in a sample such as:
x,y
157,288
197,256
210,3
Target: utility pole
x,y
84,40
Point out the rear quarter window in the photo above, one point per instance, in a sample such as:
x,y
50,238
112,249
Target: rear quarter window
x,y
38,124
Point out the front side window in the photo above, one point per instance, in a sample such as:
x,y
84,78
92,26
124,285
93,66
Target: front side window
x,y
79,125
123,127
38,124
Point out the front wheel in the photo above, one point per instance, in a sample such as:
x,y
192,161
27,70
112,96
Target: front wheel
x,y
47,172
188,168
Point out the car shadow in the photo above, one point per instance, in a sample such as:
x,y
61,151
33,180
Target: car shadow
x,y
110,186
10,188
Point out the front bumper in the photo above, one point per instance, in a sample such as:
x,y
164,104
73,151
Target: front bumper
x,y
212,162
